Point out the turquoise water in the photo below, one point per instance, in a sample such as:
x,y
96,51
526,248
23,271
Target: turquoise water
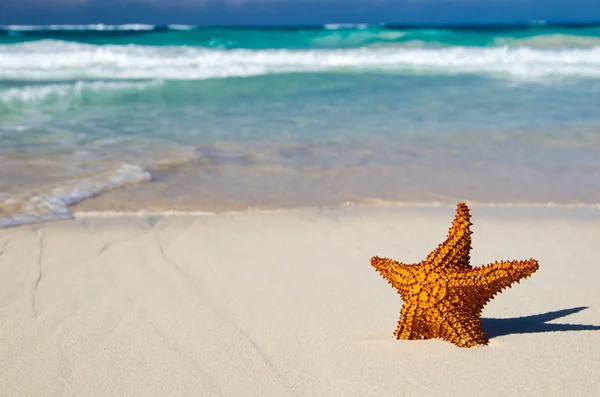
x,y
181,118
329,36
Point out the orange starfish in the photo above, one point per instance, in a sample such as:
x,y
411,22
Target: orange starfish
x,y
443,295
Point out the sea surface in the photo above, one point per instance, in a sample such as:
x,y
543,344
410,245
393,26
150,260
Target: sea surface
x,y
180,118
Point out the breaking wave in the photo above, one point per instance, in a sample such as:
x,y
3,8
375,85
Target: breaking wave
x,y
100,27
58,60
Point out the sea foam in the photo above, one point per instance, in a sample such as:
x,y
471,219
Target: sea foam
x,y
54,205
58,60
92,27
55,92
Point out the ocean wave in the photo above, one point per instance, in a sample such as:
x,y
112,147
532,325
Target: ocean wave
x,y
54,205
550,41
50,93
327,36
92,27
338,26
181,27
57,60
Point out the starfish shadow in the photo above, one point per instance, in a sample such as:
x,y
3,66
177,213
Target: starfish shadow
x,y
494,327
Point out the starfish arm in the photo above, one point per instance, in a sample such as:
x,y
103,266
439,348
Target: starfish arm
x,y
448,322
418,322
482,283
408,323
453,253
459,325
399,275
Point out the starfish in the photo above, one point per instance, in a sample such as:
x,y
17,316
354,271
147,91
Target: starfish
x,y
443,296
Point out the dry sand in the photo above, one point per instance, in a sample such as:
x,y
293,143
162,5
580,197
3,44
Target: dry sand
x,y
286,303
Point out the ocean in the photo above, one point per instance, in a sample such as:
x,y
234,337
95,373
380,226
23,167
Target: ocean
x,y
180,118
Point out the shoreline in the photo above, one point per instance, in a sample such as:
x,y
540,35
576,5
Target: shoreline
x,y
343,206
68,213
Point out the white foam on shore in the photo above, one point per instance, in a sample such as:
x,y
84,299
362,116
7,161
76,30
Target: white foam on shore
x,y
382,204
54,205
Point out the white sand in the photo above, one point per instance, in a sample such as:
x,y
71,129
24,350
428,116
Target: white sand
x,y
277,304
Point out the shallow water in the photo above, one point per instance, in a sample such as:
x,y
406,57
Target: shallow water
x,y
285,120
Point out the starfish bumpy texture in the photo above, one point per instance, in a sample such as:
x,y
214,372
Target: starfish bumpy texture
x,y
443,296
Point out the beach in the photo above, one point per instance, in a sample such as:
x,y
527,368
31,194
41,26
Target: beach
x,y
285,302
192,210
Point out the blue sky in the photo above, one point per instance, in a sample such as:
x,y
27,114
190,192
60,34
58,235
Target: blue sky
x,y
293,12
